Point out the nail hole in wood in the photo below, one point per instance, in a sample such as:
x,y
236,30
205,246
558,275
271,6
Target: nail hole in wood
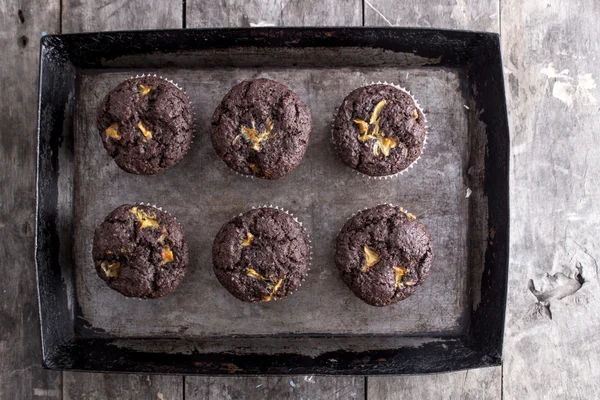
x,y
23,40
21,16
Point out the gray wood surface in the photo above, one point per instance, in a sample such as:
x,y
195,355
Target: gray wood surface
x,y
476,384
280,388
21,25
550,50
247,13
107,15
115,15
86,386
551,58
478,15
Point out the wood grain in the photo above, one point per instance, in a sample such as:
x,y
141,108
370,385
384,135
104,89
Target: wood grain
x,y
477,384
247,13
551,54
280,388
85,386
21,374
116,15
107,15
479,15
554,184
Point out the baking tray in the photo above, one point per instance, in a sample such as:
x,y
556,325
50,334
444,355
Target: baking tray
x,y
459,189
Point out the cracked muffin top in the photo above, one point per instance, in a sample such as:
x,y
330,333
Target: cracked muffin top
x,y
140,251
379,130
383,254
146,125
261,255
261,128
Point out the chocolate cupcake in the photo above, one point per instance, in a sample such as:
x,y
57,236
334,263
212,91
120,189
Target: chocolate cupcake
x,y
379,130
383,254
140,251
261,128
146,124
261,255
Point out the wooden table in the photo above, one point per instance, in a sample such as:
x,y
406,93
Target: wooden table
x,y
550,50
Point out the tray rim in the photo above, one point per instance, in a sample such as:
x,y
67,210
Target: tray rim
x,y
61,350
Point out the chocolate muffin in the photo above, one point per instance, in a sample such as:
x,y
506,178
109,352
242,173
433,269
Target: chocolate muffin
x,y
140,251
146,125
383,254
261,255
261,128
379,130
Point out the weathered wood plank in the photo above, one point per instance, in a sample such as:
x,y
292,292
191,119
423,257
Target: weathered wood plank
x,y
106,15
21,374
281,388
477,384
83,386
479,15
247,13
551,51
115,15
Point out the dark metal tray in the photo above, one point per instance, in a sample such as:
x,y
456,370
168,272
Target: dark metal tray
x,y
459,189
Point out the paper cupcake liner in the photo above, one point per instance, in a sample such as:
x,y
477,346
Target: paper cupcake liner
x,y
160,209
391,176
141,203
402,209
243,175
310,248
185,94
